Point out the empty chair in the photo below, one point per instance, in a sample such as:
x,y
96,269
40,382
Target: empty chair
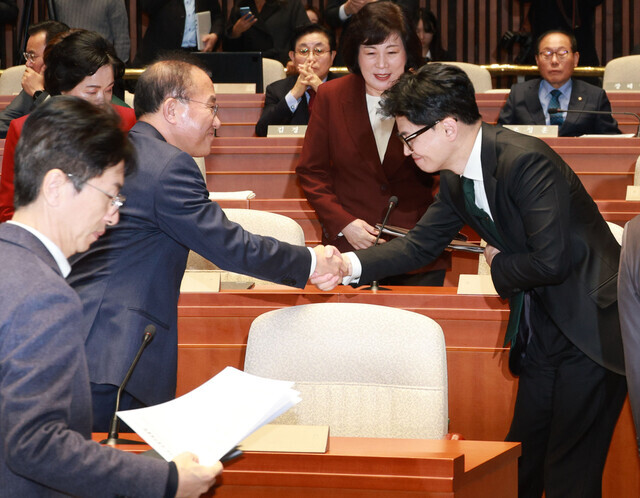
x,y
479,76
364,370
258,222
272,70
11,80
620,72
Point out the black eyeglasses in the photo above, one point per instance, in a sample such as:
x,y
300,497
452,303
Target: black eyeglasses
x,y
406,140
117,200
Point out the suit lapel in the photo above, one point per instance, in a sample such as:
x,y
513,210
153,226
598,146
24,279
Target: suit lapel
x,y
532,102
356,117
489,158
577,102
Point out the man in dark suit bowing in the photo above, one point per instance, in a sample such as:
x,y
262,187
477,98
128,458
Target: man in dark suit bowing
x,y
288,101
551,254
131,277
529,102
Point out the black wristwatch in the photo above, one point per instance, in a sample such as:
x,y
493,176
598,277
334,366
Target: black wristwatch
x,y
37,94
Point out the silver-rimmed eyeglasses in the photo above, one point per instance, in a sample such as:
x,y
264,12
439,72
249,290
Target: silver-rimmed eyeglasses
x,y
317,51
117,200
212,107
547,55
30,56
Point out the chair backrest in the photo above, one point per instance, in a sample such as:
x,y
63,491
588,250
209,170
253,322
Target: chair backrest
x,y
272,70
258,222
11,80
364,370
479,76
620,71
616,230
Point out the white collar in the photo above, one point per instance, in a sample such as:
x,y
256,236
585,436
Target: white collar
x,y
55,251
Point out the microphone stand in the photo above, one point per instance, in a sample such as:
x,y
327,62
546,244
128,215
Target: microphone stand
x,y
375,287
553,110
113,438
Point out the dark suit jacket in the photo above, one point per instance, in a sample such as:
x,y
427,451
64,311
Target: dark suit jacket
x,y
272,33
166,25
45,401
629,302
523,107
340,170
557,243
277,112
131,276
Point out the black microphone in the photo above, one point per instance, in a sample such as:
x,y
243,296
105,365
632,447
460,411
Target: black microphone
x,y
113,439
393,202
555,110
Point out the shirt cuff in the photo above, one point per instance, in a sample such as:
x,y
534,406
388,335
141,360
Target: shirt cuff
x,y
292,102
342,14
314,261
356,269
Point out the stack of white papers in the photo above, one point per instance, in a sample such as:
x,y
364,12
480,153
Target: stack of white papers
x,y
213,418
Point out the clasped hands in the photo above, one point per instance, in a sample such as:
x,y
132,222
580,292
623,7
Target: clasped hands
x,y
331,267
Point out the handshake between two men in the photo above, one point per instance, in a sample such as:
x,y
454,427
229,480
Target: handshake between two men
x,y
331,268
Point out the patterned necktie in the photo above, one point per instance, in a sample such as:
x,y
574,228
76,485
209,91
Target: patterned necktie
x,y
312,97
516,301
555,119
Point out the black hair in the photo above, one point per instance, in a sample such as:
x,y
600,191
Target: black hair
x,y
571,36
50,28
308,29
372,25
73,135
74,55
432,93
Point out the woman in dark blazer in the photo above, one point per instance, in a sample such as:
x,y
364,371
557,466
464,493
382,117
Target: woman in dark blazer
x,y
351,161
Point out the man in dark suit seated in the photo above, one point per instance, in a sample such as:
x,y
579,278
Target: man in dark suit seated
x,y
551,254
71,162
288,101
529,102
131,277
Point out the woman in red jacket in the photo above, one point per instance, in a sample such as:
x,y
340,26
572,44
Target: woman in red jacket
x,y
80,63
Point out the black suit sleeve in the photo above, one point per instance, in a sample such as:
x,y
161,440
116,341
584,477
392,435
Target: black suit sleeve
x,y
421,246
542,196
217,19
507,113
22,104
332,13
605,125
275,111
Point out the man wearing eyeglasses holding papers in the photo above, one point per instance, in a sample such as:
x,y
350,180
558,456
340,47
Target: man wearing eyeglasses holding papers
x,y
529,102
288,101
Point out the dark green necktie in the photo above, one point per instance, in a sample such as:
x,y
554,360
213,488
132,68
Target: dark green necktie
x,y
487,224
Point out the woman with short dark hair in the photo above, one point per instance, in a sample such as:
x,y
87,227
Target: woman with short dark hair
x,y
80,63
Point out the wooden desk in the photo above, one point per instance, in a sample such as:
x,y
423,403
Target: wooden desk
x,y
239,113
213,330
605,165
363,467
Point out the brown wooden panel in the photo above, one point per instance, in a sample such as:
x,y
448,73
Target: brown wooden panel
x,y
213,330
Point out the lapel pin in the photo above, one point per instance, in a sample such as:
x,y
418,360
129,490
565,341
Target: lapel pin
x,y
579,98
